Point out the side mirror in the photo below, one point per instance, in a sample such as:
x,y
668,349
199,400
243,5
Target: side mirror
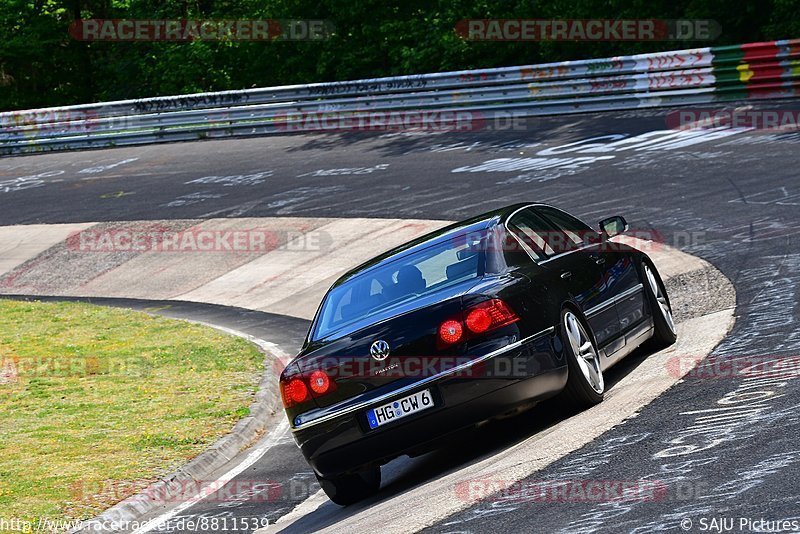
x,y
613,225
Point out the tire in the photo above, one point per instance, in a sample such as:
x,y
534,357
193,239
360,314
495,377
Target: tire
x,y
664,333
353,487
585,385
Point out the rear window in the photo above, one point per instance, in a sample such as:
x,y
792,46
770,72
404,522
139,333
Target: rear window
x,y
401,281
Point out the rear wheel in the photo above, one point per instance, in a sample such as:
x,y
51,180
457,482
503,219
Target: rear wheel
x,y
664,333
585,384
352,487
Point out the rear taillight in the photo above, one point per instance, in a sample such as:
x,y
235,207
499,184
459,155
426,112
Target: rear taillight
x,y
479,319
498,312
301,388
294,391
320,382
450,332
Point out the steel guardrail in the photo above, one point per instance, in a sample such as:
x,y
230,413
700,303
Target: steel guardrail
x,y
685,77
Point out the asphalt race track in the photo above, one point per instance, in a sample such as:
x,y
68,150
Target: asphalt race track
x,y
731,197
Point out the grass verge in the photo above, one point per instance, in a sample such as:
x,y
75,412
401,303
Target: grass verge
x,y
96,403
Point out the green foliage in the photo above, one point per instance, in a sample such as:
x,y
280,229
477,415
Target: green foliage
x,y
41,65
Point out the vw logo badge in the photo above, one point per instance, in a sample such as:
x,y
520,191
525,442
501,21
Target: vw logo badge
x,y
379,350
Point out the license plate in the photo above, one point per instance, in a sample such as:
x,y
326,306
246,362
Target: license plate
x,y
400,408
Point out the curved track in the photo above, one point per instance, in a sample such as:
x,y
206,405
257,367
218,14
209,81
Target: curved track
x,y
731,197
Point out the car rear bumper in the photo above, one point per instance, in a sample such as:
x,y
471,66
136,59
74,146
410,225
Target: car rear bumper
x,y
343,442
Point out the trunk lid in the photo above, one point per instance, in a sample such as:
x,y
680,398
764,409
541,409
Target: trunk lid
x,y
414,351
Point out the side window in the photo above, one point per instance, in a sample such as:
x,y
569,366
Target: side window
x,y
514,254
532,231
576,232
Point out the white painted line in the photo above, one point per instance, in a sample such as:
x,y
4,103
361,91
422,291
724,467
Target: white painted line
x,y
252,458
266,346
101,168
273,439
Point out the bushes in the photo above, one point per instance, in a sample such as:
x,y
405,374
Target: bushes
x,y
40,65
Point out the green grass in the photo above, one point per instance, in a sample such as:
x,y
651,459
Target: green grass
x,y
105,401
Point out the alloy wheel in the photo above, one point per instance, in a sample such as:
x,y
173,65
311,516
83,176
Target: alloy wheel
x,y
584,351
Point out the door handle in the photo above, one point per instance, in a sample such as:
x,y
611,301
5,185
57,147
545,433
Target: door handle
x,y
566,274
599,260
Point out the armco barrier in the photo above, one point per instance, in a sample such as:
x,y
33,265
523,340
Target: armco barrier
x,y
699,76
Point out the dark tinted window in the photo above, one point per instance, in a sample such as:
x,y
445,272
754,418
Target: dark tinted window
x,y
514,253
577,232
539,235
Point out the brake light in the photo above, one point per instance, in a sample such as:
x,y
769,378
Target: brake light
x,y
294,392
479,321
499,311
450,332
481,318
320,382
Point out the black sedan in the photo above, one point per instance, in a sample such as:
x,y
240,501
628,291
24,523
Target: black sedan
x,y
465,324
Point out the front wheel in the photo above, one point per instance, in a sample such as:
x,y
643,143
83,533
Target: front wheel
x,y
585,384
352,487
664,333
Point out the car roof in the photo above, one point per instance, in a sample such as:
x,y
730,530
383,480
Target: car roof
x,y
478,223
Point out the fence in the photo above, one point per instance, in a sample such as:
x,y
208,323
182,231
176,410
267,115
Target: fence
x,y
685,77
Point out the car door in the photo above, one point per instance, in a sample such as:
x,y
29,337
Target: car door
x,y
567,270
583,248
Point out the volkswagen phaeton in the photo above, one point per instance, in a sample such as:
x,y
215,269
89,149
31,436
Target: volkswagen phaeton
x,y
461,326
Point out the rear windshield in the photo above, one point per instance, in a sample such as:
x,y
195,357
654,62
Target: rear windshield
x,y
401,281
